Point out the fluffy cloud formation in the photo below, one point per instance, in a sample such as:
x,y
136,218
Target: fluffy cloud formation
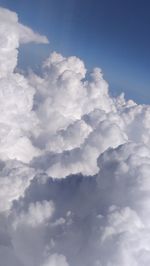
x,y
74,164
11,34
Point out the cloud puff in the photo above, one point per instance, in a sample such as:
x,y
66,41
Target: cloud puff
x,y
15,177
56,260
11,34
38,213
74,164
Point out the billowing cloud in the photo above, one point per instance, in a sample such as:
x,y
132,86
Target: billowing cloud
x,y
11,34
74,164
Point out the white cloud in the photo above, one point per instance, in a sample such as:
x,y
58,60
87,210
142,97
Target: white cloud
x,y
61,123
11,34
38,213
15,177
56,260
27,35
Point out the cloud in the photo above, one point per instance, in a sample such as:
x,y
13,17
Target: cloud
x,y
38,213
56,260
11,34
15,177
27,35
74,163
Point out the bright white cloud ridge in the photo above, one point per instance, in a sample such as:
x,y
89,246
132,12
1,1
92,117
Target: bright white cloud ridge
x,y
74,164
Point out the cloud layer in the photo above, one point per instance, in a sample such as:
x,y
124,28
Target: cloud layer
x,y
74,164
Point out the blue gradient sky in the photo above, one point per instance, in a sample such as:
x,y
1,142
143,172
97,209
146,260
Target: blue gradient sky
x,y
111,34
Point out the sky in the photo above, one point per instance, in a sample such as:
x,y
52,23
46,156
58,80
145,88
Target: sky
x,y
74,160
111,34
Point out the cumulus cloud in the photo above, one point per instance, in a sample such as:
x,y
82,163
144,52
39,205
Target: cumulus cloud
x,y
11,34
74,163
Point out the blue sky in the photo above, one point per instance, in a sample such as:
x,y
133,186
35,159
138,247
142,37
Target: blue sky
x,y
111,34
